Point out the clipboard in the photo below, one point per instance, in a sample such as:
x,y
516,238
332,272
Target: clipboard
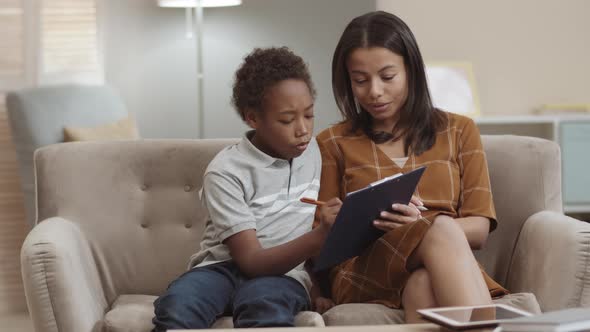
x,y
353,231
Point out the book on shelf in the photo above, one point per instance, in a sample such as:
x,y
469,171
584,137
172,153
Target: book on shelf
x,y
567,320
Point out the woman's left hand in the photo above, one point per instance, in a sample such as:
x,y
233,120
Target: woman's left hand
x,y
401,215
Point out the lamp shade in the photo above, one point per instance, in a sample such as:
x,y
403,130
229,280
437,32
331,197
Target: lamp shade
x,y
193,3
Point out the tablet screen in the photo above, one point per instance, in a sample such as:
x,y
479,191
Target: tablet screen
x,y
486,315
479,314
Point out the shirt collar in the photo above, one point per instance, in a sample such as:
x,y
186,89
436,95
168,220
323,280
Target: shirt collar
x,y
254,154
262,159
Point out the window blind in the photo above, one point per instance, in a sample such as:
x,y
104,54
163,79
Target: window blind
x,y
12,218
49,41
13,226
69,39
11,40
41,42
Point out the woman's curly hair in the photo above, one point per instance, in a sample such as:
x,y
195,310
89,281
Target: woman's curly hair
x,y
263,68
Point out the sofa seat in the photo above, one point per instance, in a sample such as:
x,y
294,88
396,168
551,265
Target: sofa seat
x,y
133,313
377,314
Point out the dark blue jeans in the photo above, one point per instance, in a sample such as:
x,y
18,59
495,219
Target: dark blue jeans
x,y
198,297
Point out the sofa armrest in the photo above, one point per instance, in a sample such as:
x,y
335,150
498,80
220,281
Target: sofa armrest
x,y
552,260
61,280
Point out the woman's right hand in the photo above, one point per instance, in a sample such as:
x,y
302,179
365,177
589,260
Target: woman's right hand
x,y
328,212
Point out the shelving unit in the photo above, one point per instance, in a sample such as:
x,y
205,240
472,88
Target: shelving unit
x,y
572,133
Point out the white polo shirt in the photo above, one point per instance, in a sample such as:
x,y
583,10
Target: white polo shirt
x,y
244,188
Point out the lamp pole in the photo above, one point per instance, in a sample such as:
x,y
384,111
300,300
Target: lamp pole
x,y
196,30
199,55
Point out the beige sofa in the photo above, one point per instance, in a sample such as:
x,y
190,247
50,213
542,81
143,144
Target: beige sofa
x,y
117,222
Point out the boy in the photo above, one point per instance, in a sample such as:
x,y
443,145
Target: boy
x,y
251,260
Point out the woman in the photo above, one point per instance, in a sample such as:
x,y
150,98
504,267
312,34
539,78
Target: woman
x,y
423,260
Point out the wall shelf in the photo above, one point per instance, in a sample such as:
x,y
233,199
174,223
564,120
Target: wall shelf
x,y
571,132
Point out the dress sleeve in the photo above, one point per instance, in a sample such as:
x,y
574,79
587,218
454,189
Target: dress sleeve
x,y
476,194
331,179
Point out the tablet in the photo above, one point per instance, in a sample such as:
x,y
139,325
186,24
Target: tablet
x,y
469,317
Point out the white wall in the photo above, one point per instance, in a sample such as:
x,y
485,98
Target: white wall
x,y
152,65
524,53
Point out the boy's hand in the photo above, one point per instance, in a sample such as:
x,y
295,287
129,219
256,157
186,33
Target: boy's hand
x,y
328,212
322,304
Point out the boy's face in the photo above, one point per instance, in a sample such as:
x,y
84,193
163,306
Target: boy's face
x,y
285,125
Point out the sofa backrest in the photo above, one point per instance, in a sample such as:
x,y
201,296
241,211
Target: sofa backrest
x,y
136,202
525,174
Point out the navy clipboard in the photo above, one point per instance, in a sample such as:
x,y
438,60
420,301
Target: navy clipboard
x,y
353,231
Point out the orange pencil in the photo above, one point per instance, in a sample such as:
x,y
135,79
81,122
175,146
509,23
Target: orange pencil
x,y
312,201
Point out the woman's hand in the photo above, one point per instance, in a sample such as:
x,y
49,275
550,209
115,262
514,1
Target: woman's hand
x,y
401,215
322,304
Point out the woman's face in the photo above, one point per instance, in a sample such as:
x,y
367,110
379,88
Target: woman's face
x,y
379,83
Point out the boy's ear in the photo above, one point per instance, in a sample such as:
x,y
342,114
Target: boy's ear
x,y
252,118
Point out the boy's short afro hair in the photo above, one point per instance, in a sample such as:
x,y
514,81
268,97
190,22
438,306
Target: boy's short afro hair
x,y
260,70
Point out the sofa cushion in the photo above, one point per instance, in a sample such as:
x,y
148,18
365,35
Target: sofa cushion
x,y
377,314
131,313
523,301
362,314
309,318
122,129
135,312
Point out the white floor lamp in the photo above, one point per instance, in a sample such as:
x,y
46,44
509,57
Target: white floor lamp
x,y
194,28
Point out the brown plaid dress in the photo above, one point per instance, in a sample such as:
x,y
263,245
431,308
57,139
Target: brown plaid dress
x,y
456,183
